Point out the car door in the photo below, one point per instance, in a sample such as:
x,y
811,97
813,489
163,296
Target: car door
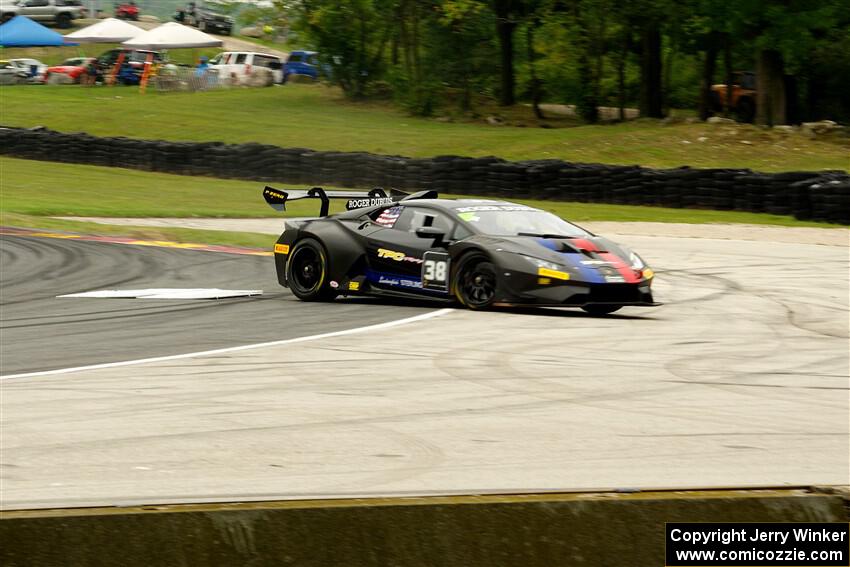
x,y
399,259
40,10
237,62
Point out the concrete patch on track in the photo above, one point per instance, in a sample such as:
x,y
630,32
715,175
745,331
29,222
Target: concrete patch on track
x,y
740,380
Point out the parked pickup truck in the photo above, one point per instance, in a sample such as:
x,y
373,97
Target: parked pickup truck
x,y
59,12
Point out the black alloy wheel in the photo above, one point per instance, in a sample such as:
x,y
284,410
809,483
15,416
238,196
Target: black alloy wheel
x,y
476,283
306,272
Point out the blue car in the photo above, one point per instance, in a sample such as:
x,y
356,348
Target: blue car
x,y
302,63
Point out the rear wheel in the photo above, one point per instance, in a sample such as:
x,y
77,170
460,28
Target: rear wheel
x,y
63,21
476,282
306,272
601,309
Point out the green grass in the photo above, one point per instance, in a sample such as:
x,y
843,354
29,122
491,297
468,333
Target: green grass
x,y
244,239
317,117
40,189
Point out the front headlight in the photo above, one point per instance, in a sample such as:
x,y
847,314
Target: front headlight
x,y
547,269
542,263
640,267
636,262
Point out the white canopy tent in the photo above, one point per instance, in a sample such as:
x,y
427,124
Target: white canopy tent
x,y
110,30
172,36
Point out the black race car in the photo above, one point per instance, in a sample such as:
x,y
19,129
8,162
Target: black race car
x,y
481,253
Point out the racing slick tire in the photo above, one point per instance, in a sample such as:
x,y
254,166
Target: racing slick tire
x,y
601,309
476,282
306,272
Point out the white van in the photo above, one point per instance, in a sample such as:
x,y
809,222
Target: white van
x,y
241,67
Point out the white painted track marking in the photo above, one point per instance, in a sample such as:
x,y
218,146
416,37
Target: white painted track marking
x,y
354,331
165,293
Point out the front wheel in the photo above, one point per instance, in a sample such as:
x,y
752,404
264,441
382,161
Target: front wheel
x,y
601,309
307,270
476,282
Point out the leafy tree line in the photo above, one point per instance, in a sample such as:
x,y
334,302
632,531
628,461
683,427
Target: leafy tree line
x,y
653,54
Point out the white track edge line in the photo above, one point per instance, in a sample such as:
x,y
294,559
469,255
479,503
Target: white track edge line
x,y
353,331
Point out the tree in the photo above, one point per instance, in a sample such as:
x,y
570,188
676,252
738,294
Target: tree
x,y
647,17
351,37
507,13
785,34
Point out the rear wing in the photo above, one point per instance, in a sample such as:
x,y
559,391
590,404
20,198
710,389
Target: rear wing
x,y
278,198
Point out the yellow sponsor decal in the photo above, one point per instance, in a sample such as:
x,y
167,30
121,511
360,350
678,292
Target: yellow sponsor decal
x,y
397,256
543,281
556,274
354,286
275,194
647,273
281,248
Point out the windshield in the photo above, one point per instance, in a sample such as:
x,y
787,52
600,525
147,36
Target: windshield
x,y
517,220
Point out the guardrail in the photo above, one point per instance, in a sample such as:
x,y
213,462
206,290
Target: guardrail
x,y
815,195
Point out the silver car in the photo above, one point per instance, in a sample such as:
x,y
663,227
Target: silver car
x,y
34,70
11,74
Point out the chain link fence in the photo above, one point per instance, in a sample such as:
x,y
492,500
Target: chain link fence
x,y
172,78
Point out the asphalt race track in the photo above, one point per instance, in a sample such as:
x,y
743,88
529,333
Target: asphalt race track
x,y
741,379
41,332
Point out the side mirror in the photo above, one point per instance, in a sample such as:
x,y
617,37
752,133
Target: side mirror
x,y
432,232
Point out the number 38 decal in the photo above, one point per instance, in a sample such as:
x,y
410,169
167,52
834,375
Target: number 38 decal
x,y
435,270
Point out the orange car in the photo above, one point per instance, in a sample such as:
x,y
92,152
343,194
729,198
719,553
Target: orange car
x,y
743,101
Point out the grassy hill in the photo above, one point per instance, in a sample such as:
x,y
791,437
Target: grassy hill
x,y
318,117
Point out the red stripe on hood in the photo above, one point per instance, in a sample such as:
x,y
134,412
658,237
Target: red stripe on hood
x,y
584,244
625,270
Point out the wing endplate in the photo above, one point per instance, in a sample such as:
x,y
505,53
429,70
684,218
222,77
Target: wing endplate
x,y
277,198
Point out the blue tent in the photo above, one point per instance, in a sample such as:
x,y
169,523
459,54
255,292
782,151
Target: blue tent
x,y
21,31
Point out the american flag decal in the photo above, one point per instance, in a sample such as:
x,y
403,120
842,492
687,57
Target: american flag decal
x,y
389,217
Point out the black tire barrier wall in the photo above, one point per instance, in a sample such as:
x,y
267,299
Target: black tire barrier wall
x,y
807,195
